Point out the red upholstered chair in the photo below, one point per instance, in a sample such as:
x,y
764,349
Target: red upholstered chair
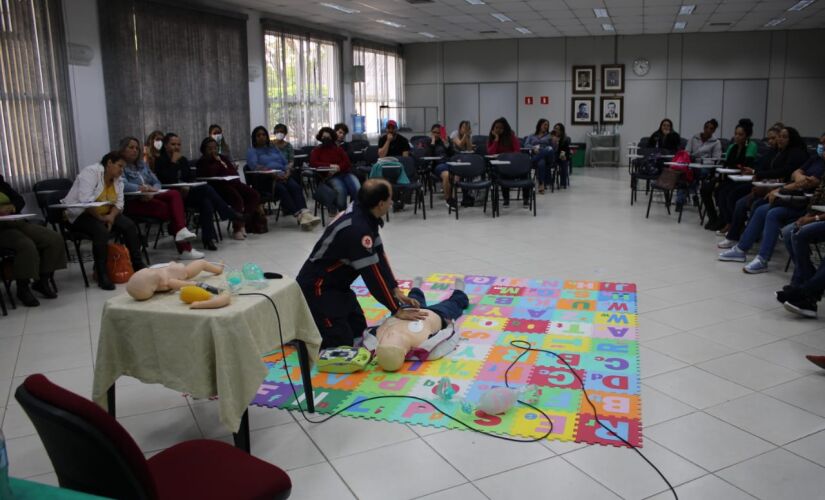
x,y
91,452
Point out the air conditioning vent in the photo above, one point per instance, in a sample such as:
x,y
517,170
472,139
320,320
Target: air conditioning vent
x,y
721,24
488,32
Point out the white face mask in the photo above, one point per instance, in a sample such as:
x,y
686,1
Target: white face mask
x,y
279,136
158,145
217,137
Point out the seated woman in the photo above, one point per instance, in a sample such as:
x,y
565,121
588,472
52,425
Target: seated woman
x,y
462,139
216,132
263,156
152,148
436,147
242,198
204,199
502,139
167,206
103,183
543,153
741,155
791,153
704,144
561,143
284,146
39,251
328,154
665,137
341,131
807,230
767,219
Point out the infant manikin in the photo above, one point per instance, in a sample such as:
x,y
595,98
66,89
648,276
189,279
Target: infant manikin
x,y
144,283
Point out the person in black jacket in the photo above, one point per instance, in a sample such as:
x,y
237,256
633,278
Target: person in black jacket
x,y
665,137
173,168
351,247
39,251
791,153
562,154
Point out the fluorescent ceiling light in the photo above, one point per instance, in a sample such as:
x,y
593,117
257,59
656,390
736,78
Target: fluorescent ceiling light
x,y
390,23
680,25
475,2
428,35
608,27
341,8
801,5
501,17
600,12
686,10
524,31
775,22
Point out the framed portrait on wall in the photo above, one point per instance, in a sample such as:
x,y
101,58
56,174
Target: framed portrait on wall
x,y
613,78
581,110
584,79
612,109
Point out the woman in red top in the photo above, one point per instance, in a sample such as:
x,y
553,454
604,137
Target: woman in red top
x,y
329,155
502,138
238,195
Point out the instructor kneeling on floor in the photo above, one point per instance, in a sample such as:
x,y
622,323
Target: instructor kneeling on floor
x,y
351,247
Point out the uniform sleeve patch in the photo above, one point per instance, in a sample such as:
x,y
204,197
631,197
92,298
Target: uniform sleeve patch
x,y
366,242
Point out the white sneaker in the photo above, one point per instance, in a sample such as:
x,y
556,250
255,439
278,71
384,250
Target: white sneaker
x,y
308,221
185,235
726,243
191,255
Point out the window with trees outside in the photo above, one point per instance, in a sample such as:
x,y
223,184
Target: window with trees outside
x,y
303,89
383,84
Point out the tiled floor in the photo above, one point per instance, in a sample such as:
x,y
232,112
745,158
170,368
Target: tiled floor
x,y
731,408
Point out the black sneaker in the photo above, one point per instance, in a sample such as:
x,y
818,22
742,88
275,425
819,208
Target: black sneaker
x,y
712,225
25,296
451,203
468,201
44,288
804,307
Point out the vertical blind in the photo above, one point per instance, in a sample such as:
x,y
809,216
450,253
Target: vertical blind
x,y
383,83
36,139
303,88
173,68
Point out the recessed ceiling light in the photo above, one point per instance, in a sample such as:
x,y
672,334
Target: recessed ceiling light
x,y
475,2
428,35
680,25
524,31
601,12
801,5
501,17
775,22
608,27
341,8
390,23
686,10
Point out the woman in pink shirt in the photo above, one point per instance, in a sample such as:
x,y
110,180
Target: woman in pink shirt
x,y
502,138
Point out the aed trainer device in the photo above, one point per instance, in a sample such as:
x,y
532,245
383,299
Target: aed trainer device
x,y
343,359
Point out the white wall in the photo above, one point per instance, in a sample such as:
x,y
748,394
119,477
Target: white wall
x,y
91,127
795,74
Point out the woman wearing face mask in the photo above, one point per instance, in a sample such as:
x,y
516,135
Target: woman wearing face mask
x,y
216,132
264,156
283,145
329,154
103,182
167,206
665,137
152,148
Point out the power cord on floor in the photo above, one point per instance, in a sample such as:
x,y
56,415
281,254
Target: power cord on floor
x,y
519,344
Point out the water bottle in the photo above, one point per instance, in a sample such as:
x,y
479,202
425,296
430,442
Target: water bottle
x,y
5,489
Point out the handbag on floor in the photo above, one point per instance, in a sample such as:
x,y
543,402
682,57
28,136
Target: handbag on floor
x,y
118,263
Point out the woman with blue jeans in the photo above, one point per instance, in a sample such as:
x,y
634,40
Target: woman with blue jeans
x,y
768,220
543,154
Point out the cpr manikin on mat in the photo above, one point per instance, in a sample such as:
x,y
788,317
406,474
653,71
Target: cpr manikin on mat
x,y
396,340
144,283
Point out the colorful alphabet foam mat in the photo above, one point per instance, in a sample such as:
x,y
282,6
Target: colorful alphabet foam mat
x,y
591,324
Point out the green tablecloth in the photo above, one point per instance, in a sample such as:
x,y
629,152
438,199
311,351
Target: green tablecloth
x,y
204,352
25,490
